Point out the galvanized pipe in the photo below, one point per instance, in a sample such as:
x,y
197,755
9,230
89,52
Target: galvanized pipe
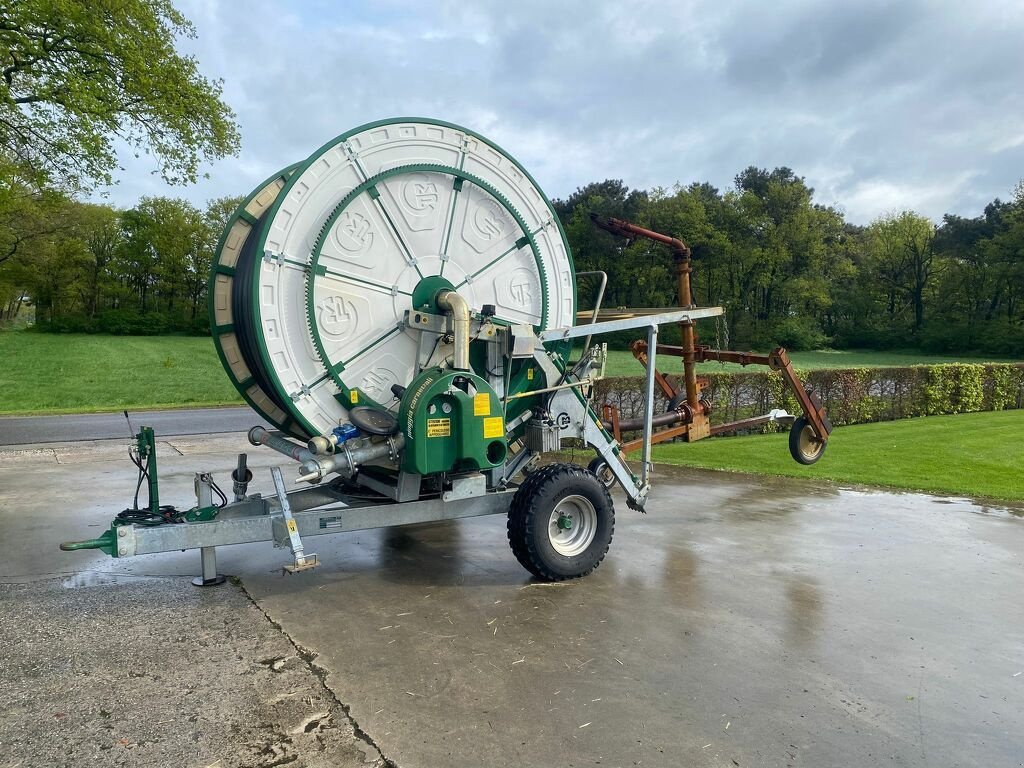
x,y
260,436
347,460
597,302
660,420
458,307
241,478
652,344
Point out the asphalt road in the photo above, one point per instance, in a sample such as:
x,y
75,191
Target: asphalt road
x,y
22,430
743,621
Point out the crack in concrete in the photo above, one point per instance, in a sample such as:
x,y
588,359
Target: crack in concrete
x,y
309,657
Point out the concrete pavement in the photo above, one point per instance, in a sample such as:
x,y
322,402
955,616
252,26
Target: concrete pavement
x,y
754,622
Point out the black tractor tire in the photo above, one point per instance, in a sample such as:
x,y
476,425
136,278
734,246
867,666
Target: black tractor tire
x,y
804,445
540,544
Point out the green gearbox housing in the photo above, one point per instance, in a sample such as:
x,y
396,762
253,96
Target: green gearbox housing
x,y
453,422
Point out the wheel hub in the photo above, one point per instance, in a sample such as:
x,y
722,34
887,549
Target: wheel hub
x,y
572,525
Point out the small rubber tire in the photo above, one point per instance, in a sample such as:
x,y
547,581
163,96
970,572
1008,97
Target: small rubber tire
x,y
804,445
599,467
532,510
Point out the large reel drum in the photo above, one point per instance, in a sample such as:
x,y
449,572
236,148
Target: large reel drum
x,y
371,225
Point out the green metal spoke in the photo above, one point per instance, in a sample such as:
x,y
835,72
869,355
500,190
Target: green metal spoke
x,y
362,281
319,380
375,195
520,243
345,363
456,188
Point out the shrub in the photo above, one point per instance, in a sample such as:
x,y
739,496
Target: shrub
x,y
798,334
129,322
850,395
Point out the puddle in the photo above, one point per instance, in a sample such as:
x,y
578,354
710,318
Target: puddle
x,y
1003,512
989,509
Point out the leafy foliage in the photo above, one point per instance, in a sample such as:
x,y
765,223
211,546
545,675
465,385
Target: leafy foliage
x,y
78,75
139,272
791,271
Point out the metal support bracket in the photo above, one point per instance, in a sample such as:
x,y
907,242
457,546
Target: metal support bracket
x,y
583,423
286,530
652,347
466,487
209,576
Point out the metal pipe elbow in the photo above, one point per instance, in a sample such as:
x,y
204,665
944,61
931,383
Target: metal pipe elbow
x,y
454,304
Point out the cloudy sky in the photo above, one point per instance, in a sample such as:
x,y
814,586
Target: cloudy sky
x,y
882,106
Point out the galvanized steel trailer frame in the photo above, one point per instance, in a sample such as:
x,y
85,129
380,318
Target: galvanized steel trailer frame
x,y
286,517
313,511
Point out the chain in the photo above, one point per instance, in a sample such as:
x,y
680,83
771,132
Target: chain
x,y
721,333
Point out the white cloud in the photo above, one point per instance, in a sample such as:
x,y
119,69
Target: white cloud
x,y
878,105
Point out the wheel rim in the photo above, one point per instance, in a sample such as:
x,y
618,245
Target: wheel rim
x,y
810,445
572,526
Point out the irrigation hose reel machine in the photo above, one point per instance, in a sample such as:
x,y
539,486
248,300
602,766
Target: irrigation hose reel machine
x,y
401,307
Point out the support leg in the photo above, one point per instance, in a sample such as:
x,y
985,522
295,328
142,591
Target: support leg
x,y
210,577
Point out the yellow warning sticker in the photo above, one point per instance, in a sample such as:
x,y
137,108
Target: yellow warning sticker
x,y
529,374
482,404
353,396
439,427
494,427
292,528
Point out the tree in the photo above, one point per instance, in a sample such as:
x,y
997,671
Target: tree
x,y
595,249
785,255
77,75
102,237
904,257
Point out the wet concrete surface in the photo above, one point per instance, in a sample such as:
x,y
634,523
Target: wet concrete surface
x,y
744,621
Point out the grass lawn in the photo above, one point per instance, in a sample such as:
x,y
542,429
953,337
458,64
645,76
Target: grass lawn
x,y
622,363
972,454
77,373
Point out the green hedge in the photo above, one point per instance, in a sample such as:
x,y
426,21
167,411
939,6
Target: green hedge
x,y
851,395
128,322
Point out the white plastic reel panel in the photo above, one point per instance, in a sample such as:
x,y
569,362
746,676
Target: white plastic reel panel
x,y
365,274
407,199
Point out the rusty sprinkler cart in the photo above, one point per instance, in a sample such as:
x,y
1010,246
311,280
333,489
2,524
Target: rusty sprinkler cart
x,y
400,307
688,414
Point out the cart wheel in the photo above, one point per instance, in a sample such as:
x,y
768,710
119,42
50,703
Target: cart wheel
x,y
560,522
604,473
803,443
